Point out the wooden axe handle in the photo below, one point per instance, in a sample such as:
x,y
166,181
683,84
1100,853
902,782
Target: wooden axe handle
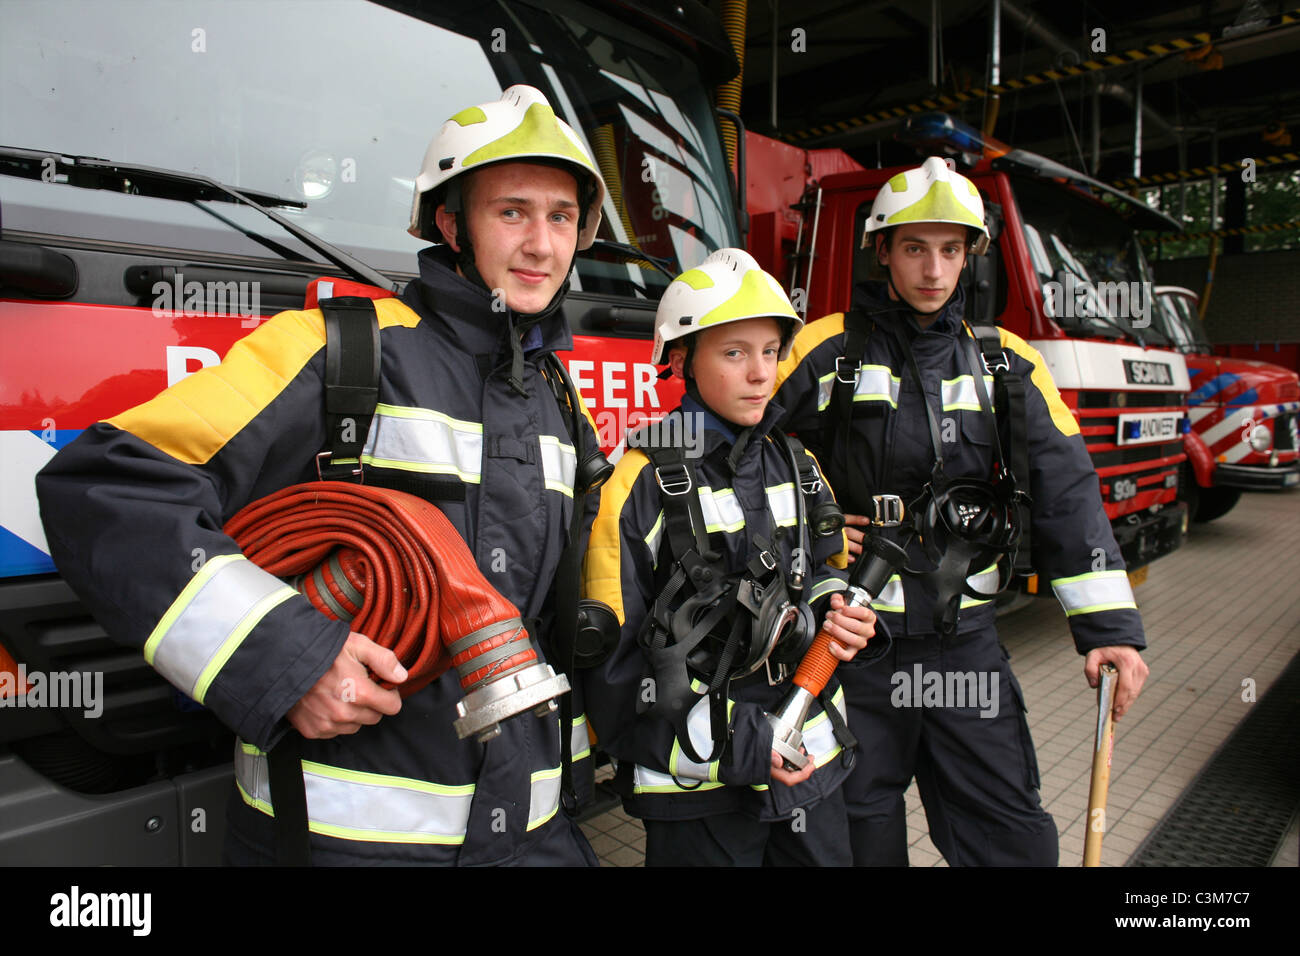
x,y
1102,747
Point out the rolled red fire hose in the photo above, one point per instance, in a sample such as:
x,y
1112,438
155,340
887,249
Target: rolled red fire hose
x,y
400,565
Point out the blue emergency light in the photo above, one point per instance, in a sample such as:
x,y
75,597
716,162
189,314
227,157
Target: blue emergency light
x,y
936,130
1185,425
1133,430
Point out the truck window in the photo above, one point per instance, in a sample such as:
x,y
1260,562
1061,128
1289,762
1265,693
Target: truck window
x,y
1094,277
261,96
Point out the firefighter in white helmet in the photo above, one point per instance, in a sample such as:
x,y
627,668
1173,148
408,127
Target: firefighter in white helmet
x,y
710,548
466,417
916,393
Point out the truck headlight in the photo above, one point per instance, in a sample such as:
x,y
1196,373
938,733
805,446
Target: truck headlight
x,y
1260,438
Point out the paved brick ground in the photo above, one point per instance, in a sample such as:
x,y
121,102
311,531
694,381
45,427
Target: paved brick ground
x,y
1223,610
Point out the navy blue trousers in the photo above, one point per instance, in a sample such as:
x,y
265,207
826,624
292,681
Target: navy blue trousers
x,y
819,837
963,735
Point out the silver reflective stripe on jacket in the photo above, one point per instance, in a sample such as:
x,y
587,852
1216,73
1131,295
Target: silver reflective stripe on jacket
x,y
891,596
721,510
781,502
875,383
209,619
424,440
700,728
356,805
959,393
580,739
1098,591
543,797
559,463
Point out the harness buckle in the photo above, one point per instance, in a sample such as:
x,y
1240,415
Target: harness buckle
x,y
329,454
782,672
768,559
813,486
674,484
1003,363
839,371
889,511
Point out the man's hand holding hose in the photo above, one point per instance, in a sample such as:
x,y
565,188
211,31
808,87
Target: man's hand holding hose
x,y
346,697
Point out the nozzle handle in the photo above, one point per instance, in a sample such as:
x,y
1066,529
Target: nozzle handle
x,y
879,561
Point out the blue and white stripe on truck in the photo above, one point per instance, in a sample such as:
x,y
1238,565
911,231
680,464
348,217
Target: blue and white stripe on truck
x,y
23,549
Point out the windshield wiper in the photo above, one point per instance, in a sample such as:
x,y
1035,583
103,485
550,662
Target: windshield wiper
x,y
625,253
88,172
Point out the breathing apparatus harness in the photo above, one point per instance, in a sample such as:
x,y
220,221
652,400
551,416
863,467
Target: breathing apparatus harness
x,y
963,524
708,626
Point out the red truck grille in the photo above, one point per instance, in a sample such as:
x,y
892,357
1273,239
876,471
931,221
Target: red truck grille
x,y
1138,471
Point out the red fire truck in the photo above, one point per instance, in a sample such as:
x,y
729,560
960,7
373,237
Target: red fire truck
x,y
1243,415
127,261
1068,276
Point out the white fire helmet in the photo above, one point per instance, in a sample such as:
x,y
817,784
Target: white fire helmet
x,y
932,192
520,126
728,286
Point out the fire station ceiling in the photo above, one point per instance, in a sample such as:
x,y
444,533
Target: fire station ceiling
x,y
846,69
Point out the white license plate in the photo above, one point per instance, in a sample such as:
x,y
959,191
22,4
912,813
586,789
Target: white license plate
x,y
1153,427
1291,479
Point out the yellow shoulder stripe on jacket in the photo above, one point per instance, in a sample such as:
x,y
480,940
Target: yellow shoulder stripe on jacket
x,y
810,336
602,568
196,417
1042,380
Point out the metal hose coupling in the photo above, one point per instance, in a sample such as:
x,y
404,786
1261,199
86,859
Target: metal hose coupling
x,y
502,676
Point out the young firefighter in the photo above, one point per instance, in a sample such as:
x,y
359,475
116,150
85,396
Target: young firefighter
x,y
889,398
508,193
714,618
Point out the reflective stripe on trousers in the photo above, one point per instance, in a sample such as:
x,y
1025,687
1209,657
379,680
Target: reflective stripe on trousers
x,y
377,808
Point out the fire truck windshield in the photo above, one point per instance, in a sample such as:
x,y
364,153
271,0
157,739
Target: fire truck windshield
x,y
1095,279
333,104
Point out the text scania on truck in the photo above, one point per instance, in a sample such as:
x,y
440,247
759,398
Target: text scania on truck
x,y
122,274
1068,276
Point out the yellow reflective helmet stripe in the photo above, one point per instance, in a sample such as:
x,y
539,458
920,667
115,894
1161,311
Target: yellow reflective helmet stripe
x,y
538,134
754,298
697,279
939,204
469,116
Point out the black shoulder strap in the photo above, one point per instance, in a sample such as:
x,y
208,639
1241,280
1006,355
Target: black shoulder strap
x,y
857,331
351,394
1012,431
568,574
684,526
351,381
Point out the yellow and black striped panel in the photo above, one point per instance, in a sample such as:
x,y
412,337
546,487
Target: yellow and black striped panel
x,y
1100,63
1236,231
